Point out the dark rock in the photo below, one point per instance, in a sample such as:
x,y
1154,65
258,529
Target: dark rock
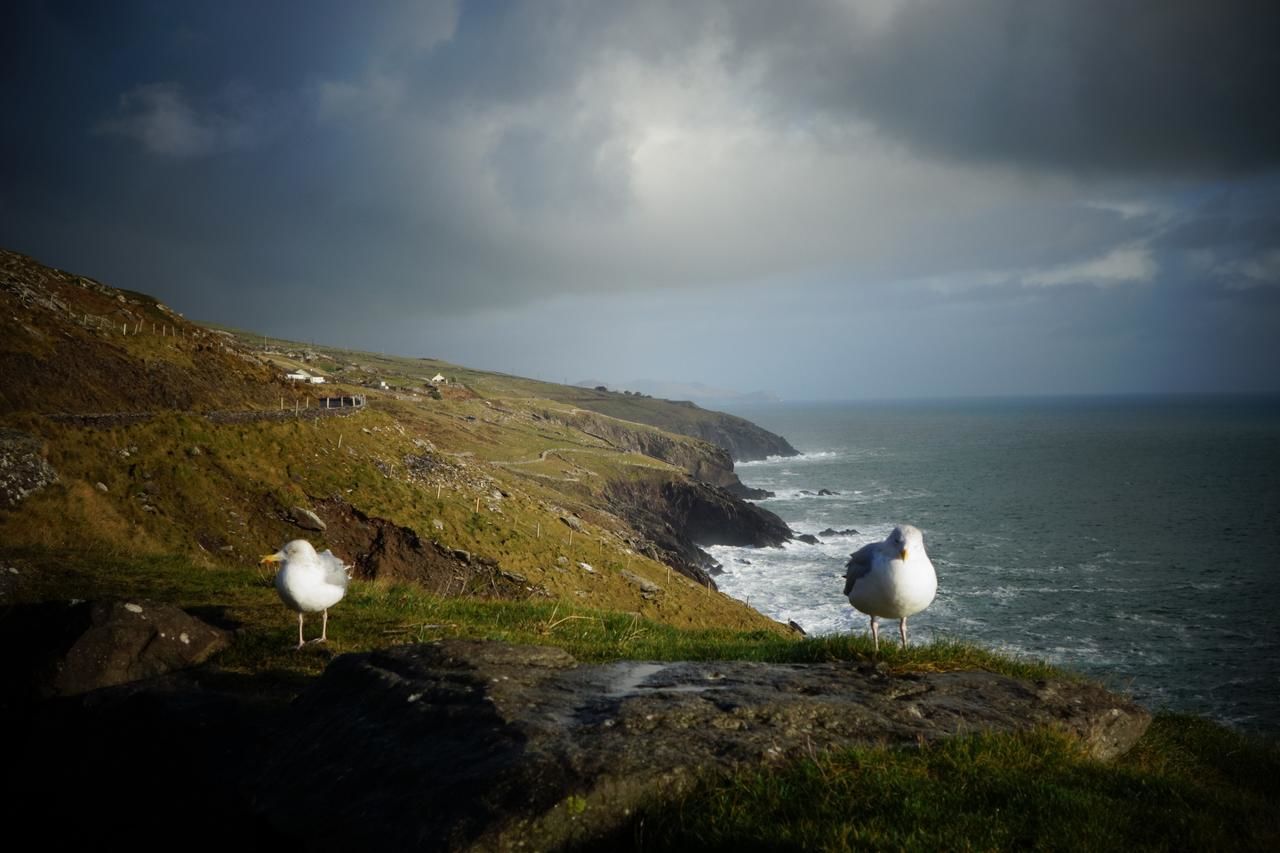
x,y
67,648
90,766
826,493
795,626
306,519
470,744
748,493
23,468
831,531
677,515
808,539
806,492
572,522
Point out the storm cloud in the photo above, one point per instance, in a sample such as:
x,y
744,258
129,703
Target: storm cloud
x,y
1064,196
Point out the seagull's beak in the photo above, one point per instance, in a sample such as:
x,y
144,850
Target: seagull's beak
x,y
904,553
271,558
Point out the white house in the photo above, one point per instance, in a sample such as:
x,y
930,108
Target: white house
x,y
303,376
439,377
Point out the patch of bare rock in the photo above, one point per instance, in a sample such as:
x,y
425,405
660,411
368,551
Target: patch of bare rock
x,y
471,745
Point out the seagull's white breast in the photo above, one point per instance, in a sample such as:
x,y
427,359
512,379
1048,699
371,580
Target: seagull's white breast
x,y
303,586
895,588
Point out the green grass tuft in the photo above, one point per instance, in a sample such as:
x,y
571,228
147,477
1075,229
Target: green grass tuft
x,y
1190,785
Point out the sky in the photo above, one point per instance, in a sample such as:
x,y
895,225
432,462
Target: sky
x,y
823,200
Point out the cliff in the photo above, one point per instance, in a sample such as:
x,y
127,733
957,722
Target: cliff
x,y
676,516
703,460
741,439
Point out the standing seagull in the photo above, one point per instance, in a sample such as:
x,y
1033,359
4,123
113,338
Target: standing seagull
x,y
308,581
893,579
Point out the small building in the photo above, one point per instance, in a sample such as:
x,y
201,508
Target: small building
x,y
303,376
438,378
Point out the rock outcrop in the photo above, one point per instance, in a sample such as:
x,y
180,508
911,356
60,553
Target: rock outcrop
x,y
68,648
702,460
739,437
678,515
744,441
466,744
379,548
23,468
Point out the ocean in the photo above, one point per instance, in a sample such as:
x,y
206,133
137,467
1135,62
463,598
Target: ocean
x,y
1136,540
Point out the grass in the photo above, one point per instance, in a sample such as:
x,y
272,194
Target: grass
x,y
179,483
376,614
1189,785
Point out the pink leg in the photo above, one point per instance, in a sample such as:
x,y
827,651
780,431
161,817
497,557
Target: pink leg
x,y
324,627
301,642
875,632
902,629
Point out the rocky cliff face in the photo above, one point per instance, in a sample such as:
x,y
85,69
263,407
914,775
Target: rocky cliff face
x,y
677,516
739,437
701,459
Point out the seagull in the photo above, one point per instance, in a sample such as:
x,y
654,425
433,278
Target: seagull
x,y
308,581
893,579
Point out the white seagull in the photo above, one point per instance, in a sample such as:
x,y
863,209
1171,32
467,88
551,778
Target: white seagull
x,y
309,582
893,579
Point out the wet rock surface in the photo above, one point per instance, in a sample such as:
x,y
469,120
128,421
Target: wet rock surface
x,y
466,744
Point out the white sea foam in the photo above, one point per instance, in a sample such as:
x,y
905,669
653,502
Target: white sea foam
x,y
813,456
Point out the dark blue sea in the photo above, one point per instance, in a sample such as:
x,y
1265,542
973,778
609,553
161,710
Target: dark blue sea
x,y
1134,539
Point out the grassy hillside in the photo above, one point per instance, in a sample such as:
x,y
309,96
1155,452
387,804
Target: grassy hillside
x,y
479,465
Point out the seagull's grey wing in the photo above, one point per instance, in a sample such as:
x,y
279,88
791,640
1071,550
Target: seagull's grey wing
x,y
859,565
335,571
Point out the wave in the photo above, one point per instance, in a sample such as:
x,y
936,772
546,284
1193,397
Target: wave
x,y
815,456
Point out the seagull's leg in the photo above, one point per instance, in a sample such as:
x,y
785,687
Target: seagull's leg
x,y
324,627
875,632
902,629
301,642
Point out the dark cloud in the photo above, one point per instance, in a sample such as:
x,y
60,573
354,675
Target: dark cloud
x,y
722,191
1183,88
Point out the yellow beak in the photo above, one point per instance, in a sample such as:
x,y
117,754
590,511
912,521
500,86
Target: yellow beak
x,y
270,558
904,553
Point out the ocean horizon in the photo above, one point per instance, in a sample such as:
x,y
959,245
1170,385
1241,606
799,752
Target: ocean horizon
x,y
1129,537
